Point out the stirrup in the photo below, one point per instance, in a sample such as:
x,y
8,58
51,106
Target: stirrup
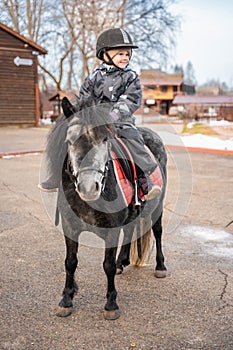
x,y
137,202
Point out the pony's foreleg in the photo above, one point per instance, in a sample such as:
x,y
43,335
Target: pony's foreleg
x,y
111,308
71,262
160,269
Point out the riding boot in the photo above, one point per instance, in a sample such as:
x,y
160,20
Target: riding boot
x,y
55,156
149,189
50,185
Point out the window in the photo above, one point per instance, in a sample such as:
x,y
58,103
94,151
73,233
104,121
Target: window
x,y
163,88
150,87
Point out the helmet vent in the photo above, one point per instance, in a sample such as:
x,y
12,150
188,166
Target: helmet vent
x,y
125,36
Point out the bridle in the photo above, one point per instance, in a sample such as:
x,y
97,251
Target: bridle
x,y
74,177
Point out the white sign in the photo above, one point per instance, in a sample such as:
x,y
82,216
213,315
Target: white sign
x,y
150,101
22,61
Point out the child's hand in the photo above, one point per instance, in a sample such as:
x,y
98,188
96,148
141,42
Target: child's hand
x,y
114,116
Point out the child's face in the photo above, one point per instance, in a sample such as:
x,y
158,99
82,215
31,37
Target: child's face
x,y
121,58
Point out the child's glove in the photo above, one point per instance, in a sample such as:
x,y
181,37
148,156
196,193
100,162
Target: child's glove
x,y
68,108
114,116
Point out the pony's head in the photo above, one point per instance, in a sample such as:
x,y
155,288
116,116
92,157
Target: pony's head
x,y
88,151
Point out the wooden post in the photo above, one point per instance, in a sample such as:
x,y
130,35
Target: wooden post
x,y
37,94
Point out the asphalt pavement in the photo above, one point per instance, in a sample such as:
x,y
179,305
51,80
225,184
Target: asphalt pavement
x,y
192,308
16,140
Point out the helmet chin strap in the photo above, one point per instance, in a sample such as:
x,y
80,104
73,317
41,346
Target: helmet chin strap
x,y
110,60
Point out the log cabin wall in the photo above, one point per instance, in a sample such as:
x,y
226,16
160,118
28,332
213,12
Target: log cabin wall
x,y
19,94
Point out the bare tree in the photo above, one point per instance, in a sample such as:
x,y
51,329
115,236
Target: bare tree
x,y
41,21
154,28
190,73
10,12
68,29
86,19
25,16
178,69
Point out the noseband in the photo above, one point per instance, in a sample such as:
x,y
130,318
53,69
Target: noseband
x,y
103,174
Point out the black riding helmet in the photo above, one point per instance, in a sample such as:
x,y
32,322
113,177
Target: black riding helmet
x,y
112,39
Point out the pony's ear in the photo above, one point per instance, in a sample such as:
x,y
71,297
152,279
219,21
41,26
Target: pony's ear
x,y
68,108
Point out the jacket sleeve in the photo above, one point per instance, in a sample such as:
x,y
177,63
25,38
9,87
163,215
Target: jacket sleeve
x,y
86,89
130,100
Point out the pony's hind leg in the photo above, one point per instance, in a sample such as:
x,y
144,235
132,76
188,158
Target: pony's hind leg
x,y
71,262
123,258
160,269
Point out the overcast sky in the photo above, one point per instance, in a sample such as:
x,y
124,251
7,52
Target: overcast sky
x,y
206,38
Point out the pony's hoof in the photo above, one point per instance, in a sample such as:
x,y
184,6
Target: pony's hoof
x,y
119,271
64,311
111,314
160,273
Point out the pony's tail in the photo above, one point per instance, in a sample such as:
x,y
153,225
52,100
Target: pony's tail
x,y
142,248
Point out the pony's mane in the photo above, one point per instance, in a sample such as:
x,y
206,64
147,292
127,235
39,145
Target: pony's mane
x,y
95,117
91,116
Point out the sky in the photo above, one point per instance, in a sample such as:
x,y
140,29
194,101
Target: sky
x,y
206,39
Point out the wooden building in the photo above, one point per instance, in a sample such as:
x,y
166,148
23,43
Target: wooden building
x,y
160,88
219,107
57,108
19,92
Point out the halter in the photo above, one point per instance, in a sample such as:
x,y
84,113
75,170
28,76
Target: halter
x,y
103,173
73,178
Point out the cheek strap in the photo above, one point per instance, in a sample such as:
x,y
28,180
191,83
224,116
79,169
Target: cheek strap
x,y
110,59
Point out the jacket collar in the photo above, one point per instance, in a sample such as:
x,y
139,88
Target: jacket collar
x,y
105,67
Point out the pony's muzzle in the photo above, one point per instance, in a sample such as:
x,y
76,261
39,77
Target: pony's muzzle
x,y
89,187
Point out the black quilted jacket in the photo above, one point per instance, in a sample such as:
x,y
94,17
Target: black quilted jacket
x,y
120,88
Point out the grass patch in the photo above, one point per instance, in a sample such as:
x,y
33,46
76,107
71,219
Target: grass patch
x,y
199,129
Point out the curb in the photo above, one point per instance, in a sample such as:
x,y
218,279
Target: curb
x,y
200,150
18,153
168,147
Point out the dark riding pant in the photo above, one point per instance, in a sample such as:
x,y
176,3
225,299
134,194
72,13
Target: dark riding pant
x,y
135,143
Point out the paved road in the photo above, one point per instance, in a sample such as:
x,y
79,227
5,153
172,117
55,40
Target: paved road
x,y
14,139
191,309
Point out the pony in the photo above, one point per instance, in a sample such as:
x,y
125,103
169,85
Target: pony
x,y
89,200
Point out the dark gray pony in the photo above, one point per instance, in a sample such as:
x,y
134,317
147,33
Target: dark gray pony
x,y
89,200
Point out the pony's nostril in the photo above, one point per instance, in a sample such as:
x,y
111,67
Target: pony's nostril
x,y
97,186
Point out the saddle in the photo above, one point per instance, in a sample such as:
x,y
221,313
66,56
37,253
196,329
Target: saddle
x,y
125,172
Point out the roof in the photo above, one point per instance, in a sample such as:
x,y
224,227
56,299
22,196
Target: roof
x,y
57,95
71,95
38,48
167,81
157,77
203,100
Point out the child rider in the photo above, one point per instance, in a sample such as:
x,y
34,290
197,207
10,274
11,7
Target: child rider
x,y
113,82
